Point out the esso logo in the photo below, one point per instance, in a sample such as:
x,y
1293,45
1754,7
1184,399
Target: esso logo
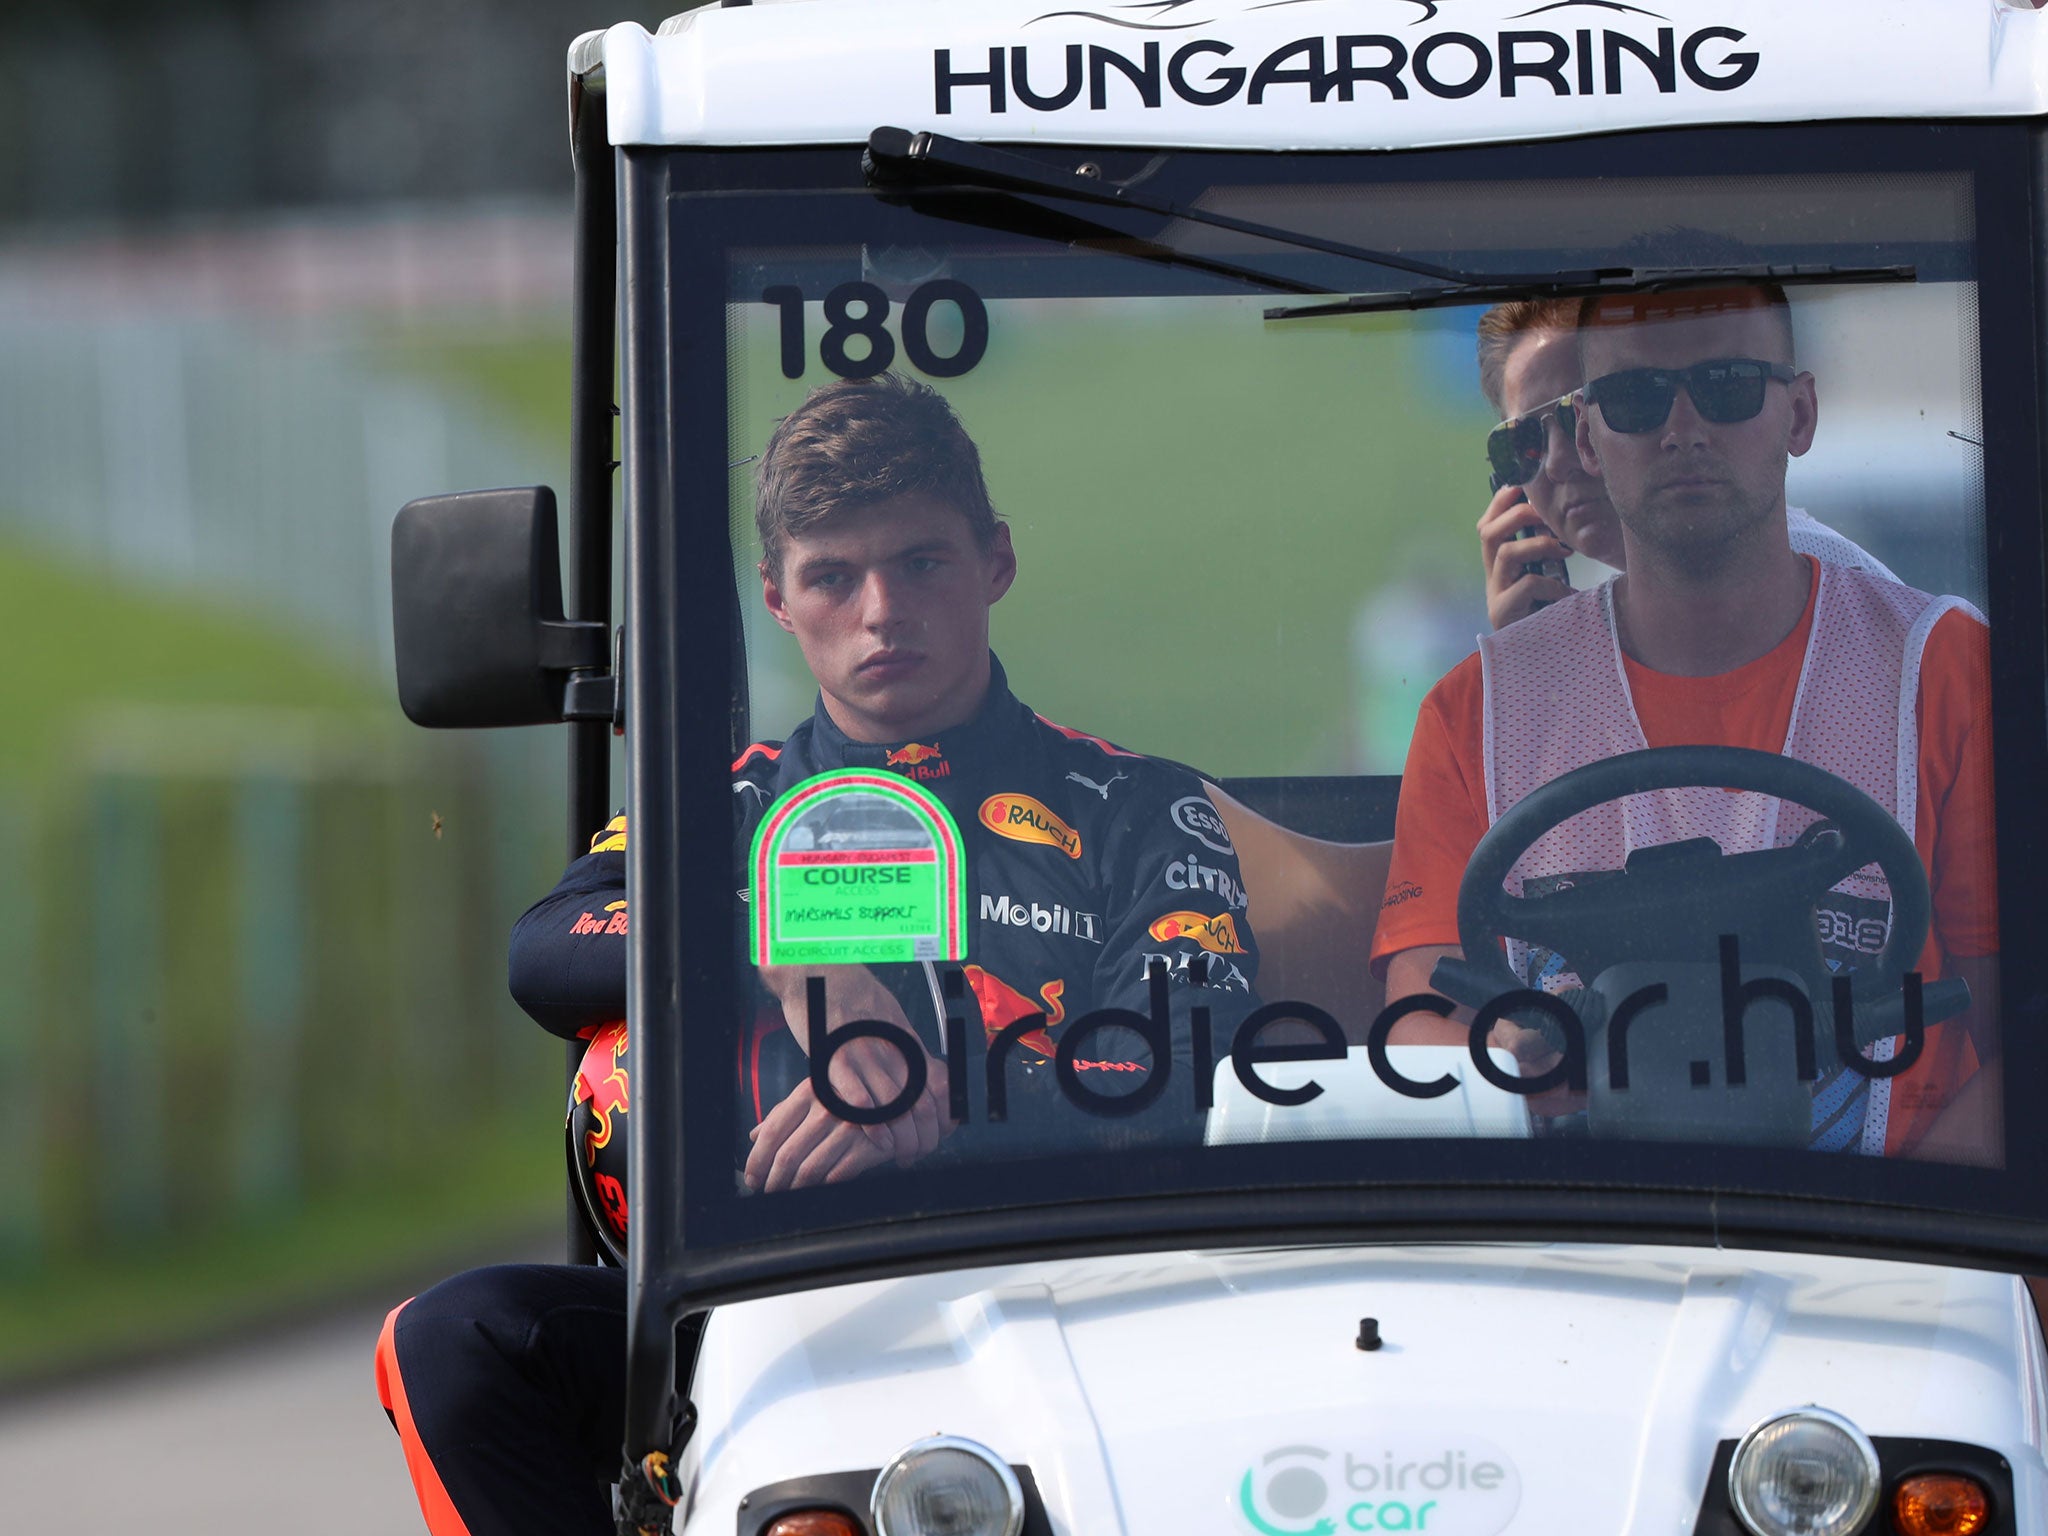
x,y
1194,815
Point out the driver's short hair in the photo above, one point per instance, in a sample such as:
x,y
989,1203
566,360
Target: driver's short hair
x,y
856,443
1503,326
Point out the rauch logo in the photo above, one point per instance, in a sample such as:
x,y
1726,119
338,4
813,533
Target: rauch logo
x,y
1460,1487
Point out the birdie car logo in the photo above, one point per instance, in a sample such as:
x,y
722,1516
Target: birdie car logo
x,y
1439,1485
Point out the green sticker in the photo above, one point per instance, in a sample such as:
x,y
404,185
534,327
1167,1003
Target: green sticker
x,y
857,867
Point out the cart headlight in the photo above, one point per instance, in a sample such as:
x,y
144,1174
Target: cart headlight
x,y
1804,1473
945,1486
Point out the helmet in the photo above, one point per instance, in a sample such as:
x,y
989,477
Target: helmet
x,y
598,1104
770,1067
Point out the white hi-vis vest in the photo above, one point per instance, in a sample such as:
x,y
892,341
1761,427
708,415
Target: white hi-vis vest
x,y
1557,697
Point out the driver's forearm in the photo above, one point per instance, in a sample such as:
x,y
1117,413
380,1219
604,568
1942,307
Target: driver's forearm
x,y
851,992
1407,974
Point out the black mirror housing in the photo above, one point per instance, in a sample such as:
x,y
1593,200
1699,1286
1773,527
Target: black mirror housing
x,y
476,611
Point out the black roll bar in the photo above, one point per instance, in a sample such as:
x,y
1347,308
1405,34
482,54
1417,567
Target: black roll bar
x,y
593,351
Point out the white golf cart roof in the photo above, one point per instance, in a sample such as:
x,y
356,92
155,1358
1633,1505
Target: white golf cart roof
x,y
1302,74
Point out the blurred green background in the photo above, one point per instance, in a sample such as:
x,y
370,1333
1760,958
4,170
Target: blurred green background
x,y
267,271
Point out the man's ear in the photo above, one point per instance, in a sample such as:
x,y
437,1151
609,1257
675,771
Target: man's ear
x,y
1582,434
1002,564
1805,414
771,596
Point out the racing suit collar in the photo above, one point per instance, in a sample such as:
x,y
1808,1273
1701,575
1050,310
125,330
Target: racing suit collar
x,y
987,737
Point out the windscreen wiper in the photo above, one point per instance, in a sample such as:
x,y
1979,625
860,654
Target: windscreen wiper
x,y
899,158
896,157
1001,209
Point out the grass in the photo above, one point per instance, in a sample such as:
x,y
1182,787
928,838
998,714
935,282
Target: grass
x,y
501,1185
97,640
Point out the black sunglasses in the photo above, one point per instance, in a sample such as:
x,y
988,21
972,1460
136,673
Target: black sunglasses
x,y
1516,447
1723,390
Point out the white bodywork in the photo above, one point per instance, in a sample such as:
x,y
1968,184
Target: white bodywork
x,y
1355,1104
1326,74
1175,1392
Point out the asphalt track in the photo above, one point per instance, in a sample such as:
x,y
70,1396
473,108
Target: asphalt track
x,y
281,1434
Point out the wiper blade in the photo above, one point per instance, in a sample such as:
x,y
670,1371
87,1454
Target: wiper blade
x,y
899,158
1578,285
1019,215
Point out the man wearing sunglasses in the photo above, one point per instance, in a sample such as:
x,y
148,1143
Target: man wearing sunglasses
x,y
1718,633
1546,504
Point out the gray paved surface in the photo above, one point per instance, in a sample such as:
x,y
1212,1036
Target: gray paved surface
x,y
283,1435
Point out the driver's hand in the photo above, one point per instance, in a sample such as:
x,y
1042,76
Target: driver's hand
x,y
1510,594
867,1072
1535,1056
799,1143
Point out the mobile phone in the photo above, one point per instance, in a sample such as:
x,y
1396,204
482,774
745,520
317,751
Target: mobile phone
x,y
1552,568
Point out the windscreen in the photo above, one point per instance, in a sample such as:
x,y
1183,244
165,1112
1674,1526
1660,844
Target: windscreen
x,y
1206,741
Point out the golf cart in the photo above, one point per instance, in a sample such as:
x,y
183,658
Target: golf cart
x,y
1202,282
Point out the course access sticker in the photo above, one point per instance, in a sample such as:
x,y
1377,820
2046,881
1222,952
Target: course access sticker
x,y
857,867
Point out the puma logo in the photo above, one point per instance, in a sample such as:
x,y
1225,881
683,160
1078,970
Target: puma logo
x,y
1100,789
750,784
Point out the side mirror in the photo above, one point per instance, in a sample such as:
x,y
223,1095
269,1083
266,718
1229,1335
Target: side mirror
x,y
476,611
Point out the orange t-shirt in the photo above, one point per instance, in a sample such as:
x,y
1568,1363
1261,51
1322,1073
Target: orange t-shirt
x,y
1442,812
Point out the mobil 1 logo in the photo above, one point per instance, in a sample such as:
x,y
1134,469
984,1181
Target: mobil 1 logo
x,y
1042,917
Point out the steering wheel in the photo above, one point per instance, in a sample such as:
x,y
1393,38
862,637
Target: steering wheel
x,y
1693,892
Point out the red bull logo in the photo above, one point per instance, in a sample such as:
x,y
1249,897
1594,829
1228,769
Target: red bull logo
x,y
1025,820
918,761
1003,1005
613,922
1218,935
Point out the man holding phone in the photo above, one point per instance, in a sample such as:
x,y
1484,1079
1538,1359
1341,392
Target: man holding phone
x,y
1720,632
1546,503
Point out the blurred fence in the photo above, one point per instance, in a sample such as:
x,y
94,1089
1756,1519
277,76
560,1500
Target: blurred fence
x,y
257,955
220,410
253,958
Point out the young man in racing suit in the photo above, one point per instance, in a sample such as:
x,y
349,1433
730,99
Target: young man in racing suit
x,y
1720,633
1097,879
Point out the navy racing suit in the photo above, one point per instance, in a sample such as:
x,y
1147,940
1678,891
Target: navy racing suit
x,y
1087,867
